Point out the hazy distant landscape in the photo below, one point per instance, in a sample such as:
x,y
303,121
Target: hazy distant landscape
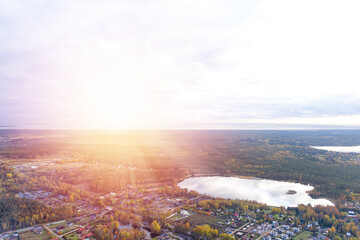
x,y
277,155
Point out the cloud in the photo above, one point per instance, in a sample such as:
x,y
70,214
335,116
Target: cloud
x,y
85,62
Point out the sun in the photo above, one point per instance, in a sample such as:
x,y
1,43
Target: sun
x,y
117,105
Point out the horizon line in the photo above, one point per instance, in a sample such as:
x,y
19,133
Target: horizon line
x,y
204,126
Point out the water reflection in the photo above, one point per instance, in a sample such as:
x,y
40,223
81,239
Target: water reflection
x,y
270,192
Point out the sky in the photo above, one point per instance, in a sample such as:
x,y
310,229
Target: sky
x,y
179,64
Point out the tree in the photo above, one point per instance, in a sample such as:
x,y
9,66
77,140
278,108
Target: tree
x,y
187,226
205,232
71,197
155,227
332,232
225,236
114,225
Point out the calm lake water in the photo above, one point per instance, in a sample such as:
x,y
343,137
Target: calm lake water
x,y
273,193
346,149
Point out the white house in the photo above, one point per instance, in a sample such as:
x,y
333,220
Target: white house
x,y
184,213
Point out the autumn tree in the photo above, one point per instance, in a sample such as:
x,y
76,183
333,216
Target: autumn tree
x,y
205,232
225,236
155,227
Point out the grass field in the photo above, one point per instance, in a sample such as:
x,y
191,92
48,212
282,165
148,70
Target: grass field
x,y
303,236
53,226
73,236
202,219
30,235
176,217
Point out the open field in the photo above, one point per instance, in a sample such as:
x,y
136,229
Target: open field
x,y
303,236
30,235
176,217
73,236
201,219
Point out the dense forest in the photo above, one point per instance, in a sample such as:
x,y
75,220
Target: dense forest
x,y
21,212
278,155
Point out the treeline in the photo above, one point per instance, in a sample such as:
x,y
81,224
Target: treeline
x,y
113,232
106,179
12,182
21,212
200,232
224,204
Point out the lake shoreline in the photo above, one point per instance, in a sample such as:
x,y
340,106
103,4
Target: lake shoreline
x,y
269,192
341,149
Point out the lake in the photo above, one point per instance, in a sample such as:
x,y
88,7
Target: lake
x,y
270,192
346,149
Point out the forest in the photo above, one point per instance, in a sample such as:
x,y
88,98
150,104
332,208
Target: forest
x,y
171,155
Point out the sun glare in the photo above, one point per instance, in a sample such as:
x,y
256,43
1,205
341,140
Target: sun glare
x,y
118,105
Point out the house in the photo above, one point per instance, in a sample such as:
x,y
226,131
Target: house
x,y
184,213
38,231
284,236
87,236
286,227
80,230
322,237
60,227
266,238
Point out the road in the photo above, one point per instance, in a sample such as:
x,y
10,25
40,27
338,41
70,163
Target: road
x,y
29,228
54,233
238,229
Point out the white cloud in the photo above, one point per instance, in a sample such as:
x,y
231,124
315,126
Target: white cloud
x,y
178,62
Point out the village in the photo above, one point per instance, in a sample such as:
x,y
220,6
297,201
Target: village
x,y
136,207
